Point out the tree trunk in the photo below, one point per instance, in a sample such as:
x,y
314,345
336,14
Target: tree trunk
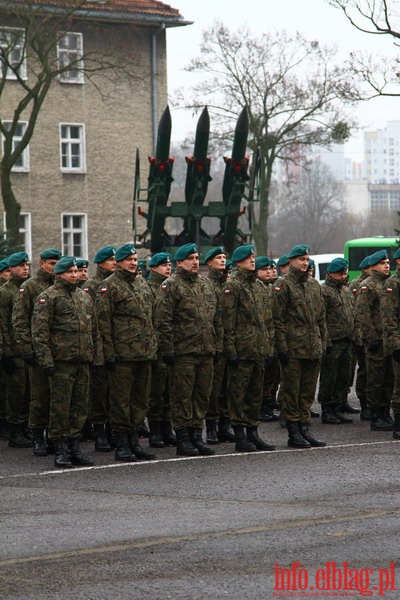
x,y
260,228
12,209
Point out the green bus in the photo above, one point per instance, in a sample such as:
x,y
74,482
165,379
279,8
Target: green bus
x,y
356,250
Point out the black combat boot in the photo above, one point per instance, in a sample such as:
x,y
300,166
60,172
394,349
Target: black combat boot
x,y
342,418
17,438
137,449
254,438
387,416
49,443
396,427
39,443
87,433
184,446
4,430
365,414
60,455
265,412
122,450
295,439
155,440
242,443
224,433
143,431
76,456
211,431
345,407
378,421
100,439
328,418
304,429
196,435
167,434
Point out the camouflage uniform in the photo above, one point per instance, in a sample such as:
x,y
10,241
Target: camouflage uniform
x,y
369,322
359,354
249,337
124,306
65,336
390,315
39,407
301,337
3,384
189,329
336,366
271,375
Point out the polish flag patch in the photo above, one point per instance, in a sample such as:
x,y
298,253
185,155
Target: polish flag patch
x,y
389,290
226,292
21,290
363,288
42,301
103,290
277,289
164,287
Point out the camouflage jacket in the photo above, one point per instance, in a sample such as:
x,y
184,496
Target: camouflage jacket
x,y
218,280
124,305
390,313
247,318
367,311
339,310
354,286
23,308
64,326
91,285
187,316
298,308
8,292
154,281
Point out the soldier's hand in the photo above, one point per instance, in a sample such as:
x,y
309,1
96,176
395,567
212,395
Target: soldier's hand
x,y
283,358
217,357
396,355
30,359
233,361
169,359
110,364
373,347
49,371
9,365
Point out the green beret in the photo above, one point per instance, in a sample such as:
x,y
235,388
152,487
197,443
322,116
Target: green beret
x,y
184,251
364,264
375,258
299,250
337,265
104,253
49,253
16,259
3,264
242,252
397,253
229,265
141,264
65,263
124,251
262,262
81,263
283,260
311,264
161,258
214,252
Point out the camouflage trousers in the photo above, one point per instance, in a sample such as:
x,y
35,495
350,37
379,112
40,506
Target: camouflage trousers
x,y
39,407
99,402
244,392
379,379
396,389
129,394
17,394
218,403
361,377
159,409
272,376
297,390
3,394
336,374
190,388
69,399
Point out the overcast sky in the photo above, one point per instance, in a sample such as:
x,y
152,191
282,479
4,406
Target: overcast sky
x,y
315,19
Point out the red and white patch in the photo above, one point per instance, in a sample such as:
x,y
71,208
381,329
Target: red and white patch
x,y
86,290
363,288
103,290
226,292
21,290
277,289
164,287
42,301
389,290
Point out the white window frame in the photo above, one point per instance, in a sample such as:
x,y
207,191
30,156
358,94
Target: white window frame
x,y
69,142
68,248
64,51
26,231
25,166
18,48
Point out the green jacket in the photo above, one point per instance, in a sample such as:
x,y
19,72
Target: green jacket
x,y
124,305
187,316
8,293
298,308
64,326
339,310
367,311
91,285
247,318
390,313
154,281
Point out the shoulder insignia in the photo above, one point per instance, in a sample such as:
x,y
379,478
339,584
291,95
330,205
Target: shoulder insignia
x,y
389,290
226,292
354,290
86,290
21,290
42,301
363,288
103,290
277,289
164,287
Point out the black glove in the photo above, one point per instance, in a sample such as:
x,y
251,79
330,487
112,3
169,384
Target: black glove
x,y
9,365
49,371
30,359
110,364
283,358
269,360
233,361
169,359
217,357
396,355
373,347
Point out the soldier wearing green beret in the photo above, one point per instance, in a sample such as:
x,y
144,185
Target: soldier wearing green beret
x,y
248,342
189,327
4,432
17,387
83,270
28,292
301,338
66,341
4,271
369,322
125,310
282,265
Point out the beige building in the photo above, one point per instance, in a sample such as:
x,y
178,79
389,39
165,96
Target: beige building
x,y
75,180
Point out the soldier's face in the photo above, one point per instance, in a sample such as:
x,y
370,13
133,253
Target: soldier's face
x,y
21,270
341,276
71,275
283,270
264,274
300,262
109,264
47,265
382,267
82,274
164,269
273,273
5,274
248,264
190,264
218,262
129,263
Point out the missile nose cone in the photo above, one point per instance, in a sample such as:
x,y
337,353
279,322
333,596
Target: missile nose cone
x,y
202,134
164,135
242,125
165,124
240,137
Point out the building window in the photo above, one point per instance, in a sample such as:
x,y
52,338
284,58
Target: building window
x,y
12,53
69,55
72,146
25,237
74,235
22,163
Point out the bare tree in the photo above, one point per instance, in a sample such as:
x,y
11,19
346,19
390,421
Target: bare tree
x,y
295,95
